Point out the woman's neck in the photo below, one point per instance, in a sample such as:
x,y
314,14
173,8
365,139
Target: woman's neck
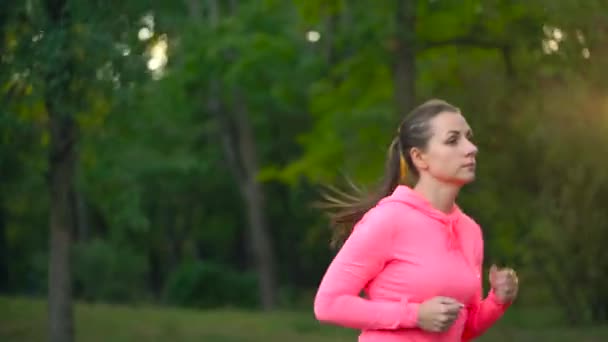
x,y
441,196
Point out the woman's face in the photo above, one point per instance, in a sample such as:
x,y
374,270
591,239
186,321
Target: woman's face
x,y
450,154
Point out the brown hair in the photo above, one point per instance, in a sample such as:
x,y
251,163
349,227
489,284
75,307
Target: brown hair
x,y
345,209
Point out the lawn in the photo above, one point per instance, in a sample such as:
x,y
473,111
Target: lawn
x,y
24,320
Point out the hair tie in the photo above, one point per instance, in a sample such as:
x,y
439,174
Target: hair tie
x,y
402,168
402,163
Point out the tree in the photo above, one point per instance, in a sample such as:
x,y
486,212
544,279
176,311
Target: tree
x,y
229,103
53,95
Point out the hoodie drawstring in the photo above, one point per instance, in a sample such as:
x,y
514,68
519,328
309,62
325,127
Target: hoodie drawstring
x,y
453,238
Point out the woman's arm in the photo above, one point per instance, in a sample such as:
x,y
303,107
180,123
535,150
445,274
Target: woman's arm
x,y
360,259
482,313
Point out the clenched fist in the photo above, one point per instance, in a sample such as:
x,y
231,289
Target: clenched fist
x,y
437,314
505,283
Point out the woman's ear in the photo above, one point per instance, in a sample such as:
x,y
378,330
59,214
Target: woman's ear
x,y
418,158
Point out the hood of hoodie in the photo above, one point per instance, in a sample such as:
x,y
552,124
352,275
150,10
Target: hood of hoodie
x,y
408,196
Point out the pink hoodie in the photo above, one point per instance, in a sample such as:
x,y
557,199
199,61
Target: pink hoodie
x,y
401,253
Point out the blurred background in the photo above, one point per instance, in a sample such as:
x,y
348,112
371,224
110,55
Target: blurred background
x,y
159,159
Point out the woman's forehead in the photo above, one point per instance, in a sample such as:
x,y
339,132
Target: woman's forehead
x,y
449,121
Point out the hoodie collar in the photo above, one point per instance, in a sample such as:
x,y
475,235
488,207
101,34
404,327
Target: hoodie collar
x,y
407,195
415,200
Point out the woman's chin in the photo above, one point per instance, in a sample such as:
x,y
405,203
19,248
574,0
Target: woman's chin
x,y
465,179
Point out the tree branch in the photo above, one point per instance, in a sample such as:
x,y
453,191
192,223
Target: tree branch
x,y
504,48
226,132
464,41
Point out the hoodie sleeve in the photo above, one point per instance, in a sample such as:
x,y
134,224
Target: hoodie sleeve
x,y
482,313
360,259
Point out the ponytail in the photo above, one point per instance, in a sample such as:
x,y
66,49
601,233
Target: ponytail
x,y
346,209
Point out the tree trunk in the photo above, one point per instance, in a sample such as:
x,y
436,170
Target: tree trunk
x,y
405,57
238,141
239,145
155,275
61,171
62,161
261,242
81,215
4,286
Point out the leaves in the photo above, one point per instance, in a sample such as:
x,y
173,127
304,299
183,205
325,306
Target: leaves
x,y
153,173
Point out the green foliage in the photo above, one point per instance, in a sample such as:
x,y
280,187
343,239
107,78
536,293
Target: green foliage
x,y
108,273
201,284
570,197
159,210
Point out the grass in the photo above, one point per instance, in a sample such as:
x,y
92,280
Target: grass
x,y
24,320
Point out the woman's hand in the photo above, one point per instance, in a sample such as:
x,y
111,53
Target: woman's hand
x,y
437,314
505,283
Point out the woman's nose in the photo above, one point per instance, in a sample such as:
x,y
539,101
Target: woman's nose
x,y
471,149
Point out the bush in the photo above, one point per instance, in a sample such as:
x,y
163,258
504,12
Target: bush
x,y
203,284
104,272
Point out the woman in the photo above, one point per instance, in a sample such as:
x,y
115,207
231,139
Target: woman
x,y
414,253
